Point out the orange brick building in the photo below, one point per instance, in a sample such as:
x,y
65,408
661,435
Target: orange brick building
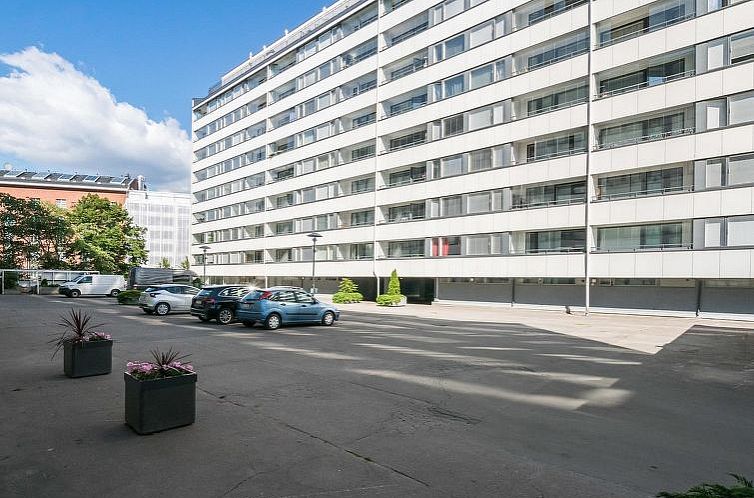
x,y
64,190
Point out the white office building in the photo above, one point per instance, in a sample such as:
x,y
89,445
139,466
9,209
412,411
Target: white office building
x,y
558,153
167,218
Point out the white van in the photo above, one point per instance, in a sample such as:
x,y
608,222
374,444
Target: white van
x,y
94,285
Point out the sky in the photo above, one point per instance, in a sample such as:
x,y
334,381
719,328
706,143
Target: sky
x,y
105,87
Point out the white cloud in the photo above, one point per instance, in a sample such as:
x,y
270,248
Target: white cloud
x,y
56,117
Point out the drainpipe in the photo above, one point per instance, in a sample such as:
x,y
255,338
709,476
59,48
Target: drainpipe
x,y
588,239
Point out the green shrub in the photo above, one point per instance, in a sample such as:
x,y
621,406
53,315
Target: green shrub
x,y
44,283
11,279
389,299
347,297
129,297
393,295
197,282
742,489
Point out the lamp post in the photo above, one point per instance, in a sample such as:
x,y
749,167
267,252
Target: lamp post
x,y
314,236
204,261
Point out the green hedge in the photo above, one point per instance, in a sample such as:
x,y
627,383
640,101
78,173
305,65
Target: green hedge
x,y
389,299
347,297
129,297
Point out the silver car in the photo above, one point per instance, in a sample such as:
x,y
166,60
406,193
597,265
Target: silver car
x,y
162,299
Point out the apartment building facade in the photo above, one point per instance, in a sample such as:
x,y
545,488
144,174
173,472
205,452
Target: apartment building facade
x,y
591,154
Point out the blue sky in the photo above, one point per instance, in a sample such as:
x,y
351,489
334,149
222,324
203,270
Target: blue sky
x,y
153,55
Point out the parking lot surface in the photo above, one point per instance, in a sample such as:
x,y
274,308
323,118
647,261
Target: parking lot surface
x,y
377,405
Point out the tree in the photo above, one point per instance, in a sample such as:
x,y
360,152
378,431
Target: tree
x,y
186,264
393,295
164,263
105,237
32,233
394,285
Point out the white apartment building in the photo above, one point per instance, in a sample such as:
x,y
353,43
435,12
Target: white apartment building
x,y
591,154
167,218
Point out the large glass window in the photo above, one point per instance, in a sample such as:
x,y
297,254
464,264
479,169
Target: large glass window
x,y
555,147
453,126
454,86
740,170
481,76
555,241
643,183
406,249
741,108
668,235
742,47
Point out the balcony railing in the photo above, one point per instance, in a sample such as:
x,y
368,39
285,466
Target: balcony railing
x,y
554,155
556,202
644,193
648,29
408,69
646,84
408,34
553,250
647,138
647,247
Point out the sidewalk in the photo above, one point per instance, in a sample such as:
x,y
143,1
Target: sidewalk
x,y
638,332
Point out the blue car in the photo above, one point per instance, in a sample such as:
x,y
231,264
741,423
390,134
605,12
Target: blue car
x,y
278,306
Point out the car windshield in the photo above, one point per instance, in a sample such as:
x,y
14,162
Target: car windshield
x,y
205,292
151,289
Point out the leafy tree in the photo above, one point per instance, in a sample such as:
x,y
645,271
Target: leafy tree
x,y
186,264
164,263
105,237
32,233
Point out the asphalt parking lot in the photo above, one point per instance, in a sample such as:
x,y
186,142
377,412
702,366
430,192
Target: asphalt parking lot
x,y
376,406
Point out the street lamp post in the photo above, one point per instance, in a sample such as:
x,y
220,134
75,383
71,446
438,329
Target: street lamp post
x,y
204,261
314,236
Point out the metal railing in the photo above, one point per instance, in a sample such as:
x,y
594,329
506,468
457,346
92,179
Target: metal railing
x,y
408,34
646,84
408,69
554,60
648,29
643,193
647,247
551,250
556,202
646,138
551,14
554,155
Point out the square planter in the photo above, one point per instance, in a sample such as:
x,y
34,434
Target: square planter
x,y
160,404
82,359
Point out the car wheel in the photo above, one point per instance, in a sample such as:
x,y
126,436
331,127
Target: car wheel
x,y
114,292
247,323
328,318
148,312
162,309
74,293
272,322
224,316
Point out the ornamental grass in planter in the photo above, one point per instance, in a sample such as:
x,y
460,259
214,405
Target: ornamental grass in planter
x,y
86,351
160,394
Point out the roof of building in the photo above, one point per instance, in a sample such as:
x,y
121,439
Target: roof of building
x,y
67,179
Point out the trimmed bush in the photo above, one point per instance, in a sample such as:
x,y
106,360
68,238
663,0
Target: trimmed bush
x,y
129,297
348,292
393,295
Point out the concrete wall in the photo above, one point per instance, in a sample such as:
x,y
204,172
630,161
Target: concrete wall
x,y
730,300
470,291
677,299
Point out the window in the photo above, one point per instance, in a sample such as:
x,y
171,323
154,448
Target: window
x,y
555,147
360,251
406,249
742,47
362,185
452,166
308,195
451,206
453,126
555,241
740,231
480,118
481,77
304,298
283,255
406,212
480,203
362,152
61,203
418,137
454,86
481,34
630,238
446,246
455,46
480,160
643,183
362,218
740,170
284,296
741,108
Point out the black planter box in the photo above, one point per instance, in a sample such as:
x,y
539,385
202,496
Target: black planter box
x,y
160,404
82,359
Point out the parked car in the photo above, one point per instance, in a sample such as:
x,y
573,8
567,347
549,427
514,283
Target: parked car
x,y
278,306
162,299
93,285
219,302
